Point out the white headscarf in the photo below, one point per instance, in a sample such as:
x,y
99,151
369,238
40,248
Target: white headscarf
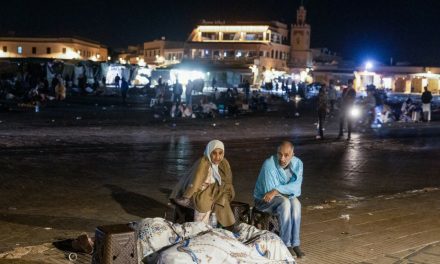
x,y
214,144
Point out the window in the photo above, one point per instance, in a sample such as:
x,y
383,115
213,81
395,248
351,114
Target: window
x,y
209,36
271,54
254,36
48,50
276,54
261,54
64,50
34,50
231,36
20,49
5,49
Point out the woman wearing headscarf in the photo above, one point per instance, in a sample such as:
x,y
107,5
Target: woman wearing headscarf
x,y
208,187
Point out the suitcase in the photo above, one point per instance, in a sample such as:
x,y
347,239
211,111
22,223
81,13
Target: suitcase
x,y
115,244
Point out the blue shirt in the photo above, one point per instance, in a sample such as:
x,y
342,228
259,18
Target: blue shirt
x,y
272,176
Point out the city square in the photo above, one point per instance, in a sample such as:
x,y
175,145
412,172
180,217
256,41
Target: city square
x,y
92,155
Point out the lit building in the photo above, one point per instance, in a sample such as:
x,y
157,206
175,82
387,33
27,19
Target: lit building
x,y
400,79
163,52
52,48
264,44
157,52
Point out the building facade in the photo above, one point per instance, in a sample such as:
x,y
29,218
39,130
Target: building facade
x,y
52,48
263,44
163,52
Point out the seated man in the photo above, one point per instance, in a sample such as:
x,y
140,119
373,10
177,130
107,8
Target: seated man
x,y
276,192
208,188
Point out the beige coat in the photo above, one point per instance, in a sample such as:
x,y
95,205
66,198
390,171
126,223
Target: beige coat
x,y
215,197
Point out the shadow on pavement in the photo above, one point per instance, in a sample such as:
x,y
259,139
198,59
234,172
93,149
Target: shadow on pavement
x,y
54,222
137,204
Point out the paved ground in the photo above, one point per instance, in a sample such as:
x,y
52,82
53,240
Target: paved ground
x,y
400,228
68,169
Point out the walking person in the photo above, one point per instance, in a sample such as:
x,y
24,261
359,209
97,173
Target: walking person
x,y
426,104
347,102
322,111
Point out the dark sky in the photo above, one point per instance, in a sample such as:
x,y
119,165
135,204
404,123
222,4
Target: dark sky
x,y
407,30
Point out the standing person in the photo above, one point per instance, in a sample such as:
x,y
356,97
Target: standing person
x,y
332,95
60,89
322,111
247,90
277,190
214,84
124,89
208,187
370,107
347,101
188,93
177,92
117,80
426,106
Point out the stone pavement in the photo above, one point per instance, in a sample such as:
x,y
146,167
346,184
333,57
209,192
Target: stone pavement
x,y
400,228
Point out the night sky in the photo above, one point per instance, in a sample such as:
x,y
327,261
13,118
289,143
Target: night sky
x,y
407,30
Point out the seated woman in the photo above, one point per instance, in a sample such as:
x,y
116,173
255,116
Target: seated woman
x,y
208,187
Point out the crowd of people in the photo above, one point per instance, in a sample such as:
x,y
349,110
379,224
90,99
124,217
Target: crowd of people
x,y
373,109
167,101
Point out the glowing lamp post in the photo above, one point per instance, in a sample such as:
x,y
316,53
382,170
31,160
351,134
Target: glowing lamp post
x,y
368,65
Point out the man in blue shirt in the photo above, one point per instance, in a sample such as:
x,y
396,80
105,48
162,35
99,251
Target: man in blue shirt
x,y
276,191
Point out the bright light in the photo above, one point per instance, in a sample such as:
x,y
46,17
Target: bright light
x,y
368,65
184,76
355,112
142,75
109,58
141,62
254,69
239,54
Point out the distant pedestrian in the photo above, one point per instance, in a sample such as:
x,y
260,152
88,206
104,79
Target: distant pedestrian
x,y
247,90
117,80
214,83
347,101
188,93
332,95
426,100
60,89
177,92
322,111
124,89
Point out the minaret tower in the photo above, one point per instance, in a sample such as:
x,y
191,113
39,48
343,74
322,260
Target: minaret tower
x,y
300,53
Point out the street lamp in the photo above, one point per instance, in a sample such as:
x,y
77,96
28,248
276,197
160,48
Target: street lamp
x,y
368,65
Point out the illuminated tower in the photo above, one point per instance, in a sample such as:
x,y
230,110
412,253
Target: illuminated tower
x,y
300,53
